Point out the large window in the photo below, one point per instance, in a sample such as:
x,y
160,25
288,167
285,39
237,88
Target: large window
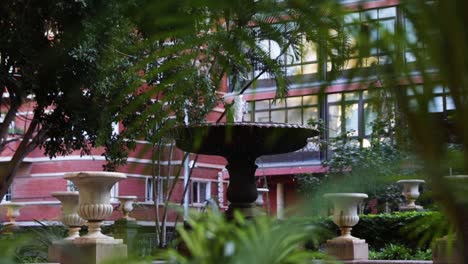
x,y
150,188
352,113
292,110
374,24
200,191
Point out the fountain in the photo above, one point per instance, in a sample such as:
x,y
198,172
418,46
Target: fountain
x,y
241,144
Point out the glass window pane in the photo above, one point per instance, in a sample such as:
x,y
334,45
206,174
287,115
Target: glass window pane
x,y
202,191
292,57
352,96
294,101
351,17
369,14
369,117
293,70
263,76
310,100
278,116
436,105
263,104
331,98
280,103
334,120
264,45
418,89
263,117
410,32
438,89
388,25
310,68
310,113
351,118
309,52
450,105
409,57
275,49
247,117
295,116
387,12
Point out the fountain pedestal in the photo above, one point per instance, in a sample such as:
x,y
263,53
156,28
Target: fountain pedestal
x,y
346,247
241,144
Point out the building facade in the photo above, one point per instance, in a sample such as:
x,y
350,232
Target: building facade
x,y
344,106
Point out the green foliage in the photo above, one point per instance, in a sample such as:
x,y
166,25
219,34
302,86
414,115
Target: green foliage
x,y
212,239
28,245
400,252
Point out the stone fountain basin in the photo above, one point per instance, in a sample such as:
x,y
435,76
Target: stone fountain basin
x,y
246,139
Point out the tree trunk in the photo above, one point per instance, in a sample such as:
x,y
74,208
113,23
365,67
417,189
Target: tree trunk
x,y
29,142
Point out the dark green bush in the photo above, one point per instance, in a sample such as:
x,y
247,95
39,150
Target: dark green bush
x,y
400,252
412,230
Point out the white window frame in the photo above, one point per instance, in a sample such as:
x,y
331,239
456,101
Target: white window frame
x,y
71,187
7,197
114,192
149,188
196,196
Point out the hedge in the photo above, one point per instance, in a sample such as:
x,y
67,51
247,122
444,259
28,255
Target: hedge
x,y
411,229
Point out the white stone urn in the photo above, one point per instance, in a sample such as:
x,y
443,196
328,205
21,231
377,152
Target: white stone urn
x,y
126,205
94,201
70,217
261,191
13,211
345,214
411,193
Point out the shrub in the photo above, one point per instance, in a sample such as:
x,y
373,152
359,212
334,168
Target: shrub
x,y
410,229
400,252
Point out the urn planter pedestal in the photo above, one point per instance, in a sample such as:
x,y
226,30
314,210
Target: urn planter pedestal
x,y
70,219
346,246
126,206
411,193
13,211
94,206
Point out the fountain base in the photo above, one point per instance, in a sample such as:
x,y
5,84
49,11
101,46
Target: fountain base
x,y
248,210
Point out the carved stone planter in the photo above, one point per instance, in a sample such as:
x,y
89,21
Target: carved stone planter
x,y
13,211
411,193
94,201
346,247
261,191
70,217
126,205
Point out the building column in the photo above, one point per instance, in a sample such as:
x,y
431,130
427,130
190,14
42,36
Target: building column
x,y
279,201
